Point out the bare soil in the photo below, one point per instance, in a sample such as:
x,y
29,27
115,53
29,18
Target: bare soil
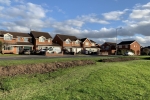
x,y
119,59
41,68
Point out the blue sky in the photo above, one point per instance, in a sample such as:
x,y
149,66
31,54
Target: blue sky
x,y
94,19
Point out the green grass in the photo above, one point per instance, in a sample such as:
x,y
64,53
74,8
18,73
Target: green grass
x,y
7,55
103,81
33,61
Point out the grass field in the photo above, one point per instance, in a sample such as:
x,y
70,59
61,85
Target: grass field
x,y
103,81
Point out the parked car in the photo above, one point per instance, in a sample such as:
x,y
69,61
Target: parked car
x,y
129,53
42,51
26,51
54,49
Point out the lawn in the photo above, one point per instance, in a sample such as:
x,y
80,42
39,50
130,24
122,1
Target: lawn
x,y
103,81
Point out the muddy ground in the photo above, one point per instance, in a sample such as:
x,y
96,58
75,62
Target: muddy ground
x,y
41,67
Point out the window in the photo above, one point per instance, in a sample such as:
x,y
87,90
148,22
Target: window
x,y
120,46
49,40
8,37
107,47
93,44
42,39
68,41
126,46
77,42
86,43
18,38
8,47
25,39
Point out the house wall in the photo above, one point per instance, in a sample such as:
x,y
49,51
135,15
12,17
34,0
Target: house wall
x,y
104,47
75,45
84,43
36,43
136,47
43,43
107,48
58,40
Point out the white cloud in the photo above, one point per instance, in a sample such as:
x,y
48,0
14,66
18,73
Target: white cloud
x,y
7,2
114,15
92,18
140,14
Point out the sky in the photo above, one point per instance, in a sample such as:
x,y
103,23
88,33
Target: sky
x,y
99,20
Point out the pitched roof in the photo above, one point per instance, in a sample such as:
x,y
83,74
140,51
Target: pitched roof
x,y
126,42
111,44
64,37
15,34
37,34
92,41
83,39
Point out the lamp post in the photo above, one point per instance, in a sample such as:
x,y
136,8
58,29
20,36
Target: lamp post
x,y
116,38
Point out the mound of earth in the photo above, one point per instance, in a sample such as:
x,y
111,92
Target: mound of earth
x,y
41,67
119,59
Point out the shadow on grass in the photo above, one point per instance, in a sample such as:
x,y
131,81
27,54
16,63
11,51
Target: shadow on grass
x,y
146,58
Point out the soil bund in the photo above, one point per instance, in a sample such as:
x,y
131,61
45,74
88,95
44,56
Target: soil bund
x,y
41,67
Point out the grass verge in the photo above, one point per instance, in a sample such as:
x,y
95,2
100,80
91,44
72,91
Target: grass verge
x,y
103,81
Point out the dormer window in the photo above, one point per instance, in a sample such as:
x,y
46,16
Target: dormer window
x,y
8,36
49,40
42,39
77,42
68,41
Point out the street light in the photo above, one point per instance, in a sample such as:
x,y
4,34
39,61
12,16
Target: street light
x,y
116,37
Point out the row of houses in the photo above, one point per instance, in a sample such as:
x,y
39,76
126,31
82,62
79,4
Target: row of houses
x,y
14,42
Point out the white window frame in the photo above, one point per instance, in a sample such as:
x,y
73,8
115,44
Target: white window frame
x,y
93,44
19,39
77,42
8,47
67,41
8,37
42,39
49,40
86,43
25,39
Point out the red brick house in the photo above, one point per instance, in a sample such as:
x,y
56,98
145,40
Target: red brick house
x,y
108,47
42,40
68,43
89,45
14,42
130,45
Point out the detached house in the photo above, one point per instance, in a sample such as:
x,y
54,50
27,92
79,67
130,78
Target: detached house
x,y
68,43
42,40
130,45
89,45
108,47
14,42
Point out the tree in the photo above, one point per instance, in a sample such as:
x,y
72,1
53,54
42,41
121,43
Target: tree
x,y
146,50
1,46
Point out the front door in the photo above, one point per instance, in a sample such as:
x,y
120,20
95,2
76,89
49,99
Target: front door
x,y
17,50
